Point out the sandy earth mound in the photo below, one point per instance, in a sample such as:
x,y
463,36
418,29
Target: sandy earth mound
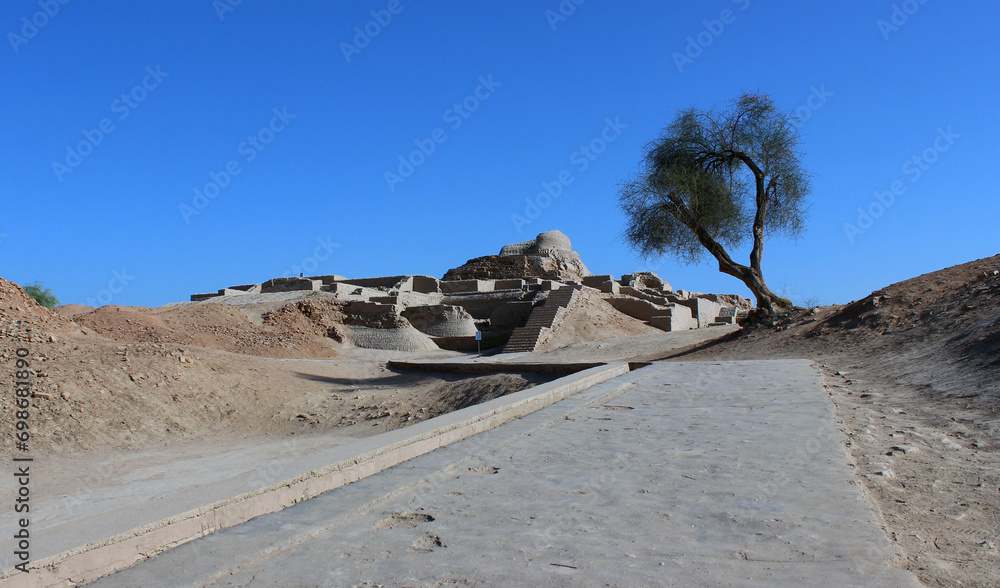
x,y
301,329
591,318
22,317
90,392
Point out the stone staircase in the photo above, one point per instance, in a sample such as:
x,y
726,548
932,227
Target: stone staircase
x,y
543,319
729,315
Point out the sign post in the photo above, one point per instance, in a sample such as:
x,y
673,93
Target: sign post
x,y
479,337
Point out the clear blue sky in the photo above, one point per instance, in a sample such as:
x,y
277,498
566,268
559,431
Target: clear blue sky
x,y
115,112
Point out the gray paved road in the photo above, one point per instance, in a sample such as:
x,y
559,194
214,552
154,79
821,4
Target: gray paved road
x,y
678,474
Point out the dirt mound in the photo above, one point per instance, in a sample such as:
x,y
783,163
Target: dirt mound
x,y
295,330
93,393
71,310
23,319
129,377
940,330
319,317
591,318
16,303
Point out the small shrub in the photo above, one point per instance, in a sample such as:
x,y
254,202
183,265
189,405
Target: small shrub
x,y
41,294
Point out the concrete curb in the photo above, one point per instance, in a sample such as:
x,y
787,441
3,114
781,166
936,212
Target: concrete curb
x,y
98,559
478,368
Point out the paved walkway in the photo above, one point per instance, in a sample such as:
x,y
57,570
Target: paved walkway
x,y
677,474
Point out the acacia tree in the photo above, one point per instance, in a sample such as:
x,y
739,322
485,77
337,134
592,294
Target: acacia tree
x,y
715,179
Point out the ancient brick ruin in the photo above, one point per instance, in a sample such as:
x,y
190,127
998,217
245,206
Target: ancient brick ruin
x,y
515,299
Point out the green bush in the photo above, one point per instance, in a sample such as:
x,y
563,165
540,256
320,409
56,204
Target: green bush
x,y
41,294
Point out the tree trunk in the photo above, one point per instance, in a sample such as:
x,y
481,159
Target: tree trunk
x,y
769,304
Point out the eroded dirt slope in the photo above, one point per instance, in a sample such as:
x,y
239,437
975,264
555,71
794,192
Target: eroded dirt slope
x,y
302,329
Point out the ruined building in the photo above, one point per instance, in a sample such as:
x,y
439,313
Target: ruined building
x,y
515,299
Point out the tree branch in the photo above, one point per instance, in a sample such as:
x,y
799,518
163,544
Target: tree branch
x,y
726,263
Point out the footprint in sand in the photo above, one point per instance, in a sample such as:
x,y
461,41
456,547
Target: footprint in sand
x,y
427,543
403,520
484,470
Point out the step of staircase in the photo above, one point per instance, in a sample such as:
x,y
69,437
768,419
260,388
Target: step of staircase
x,y
526,338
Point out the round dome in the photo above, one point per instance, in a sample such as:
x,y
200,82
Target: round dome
x,y
552,240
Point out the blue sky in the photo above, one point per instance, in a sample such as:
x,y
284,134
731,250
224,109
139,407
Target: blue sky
x,y
153,150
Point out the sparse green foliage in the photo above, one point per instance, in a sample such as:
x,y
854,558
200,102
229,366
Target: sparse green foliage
x,y
717,179
41,294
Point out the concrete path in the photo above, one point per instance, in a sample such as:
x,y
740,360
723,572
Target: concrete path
x,y
677,474
128,507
